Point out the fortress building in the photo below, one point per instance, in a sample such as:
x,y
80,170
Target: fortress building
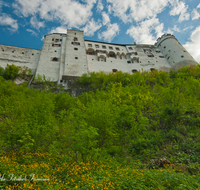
x,y
65,55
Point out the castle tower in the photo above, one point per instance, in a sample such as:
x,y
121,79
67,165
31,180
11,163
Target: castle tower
x,y
176,55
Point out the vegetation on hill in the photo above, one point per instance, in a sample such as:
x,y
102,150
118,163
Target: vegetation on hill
x,y
139,131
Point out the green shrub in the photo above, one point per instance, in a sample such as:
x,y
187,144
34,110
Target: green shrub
x,y
11,72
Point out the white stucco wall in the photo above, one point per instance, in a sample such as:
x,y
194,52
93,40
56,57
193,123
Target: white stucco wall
x,y
51,50
18,56
75,55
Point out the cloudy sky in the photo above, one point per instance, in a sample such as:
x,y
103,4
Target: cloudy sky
x,y
23,23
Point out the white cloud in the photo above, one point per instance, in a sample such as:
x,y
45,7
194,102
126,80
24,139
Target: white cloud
x,y
195,14
35,23
179,8
130,10
193,46
109,9
188,28
142,32
106,18
198,6
68,12
59,30
176,29
91,27
99,6
32,32
6,20
110,33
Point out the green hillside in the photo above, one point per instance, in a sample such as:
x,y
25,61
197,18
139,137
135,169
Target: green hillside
x,y
139,131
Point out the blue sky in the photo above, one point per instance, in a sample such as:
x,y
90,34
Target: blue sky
x,y
23,23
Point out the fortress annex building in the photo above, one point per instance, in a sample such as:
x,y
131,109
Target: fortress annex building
x,y
70,55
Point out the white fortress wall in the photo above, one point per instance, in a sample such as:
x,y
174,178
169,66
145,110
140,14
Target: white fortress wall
x,y
75,55
18,56
49,63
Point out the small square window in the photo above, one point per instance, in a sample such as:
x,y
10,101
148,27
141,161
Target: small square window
x,y
60,40
89,45
110,47
164,46
54,59
128,61
97,46
22,52
13,51
104,47
117,48
75,39
57,40
32,53
52,39
76,57
75,48
114,70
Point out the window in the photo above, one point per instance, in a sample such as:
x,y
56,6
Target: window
x,y
104,47
54,59
75,48
110,47
13,51
164,46
2,49
56,45
128,61
130,48
114,70
161,56
55,51
152,69
182,56
168,57
52,39
133,53
151,55
157,51
76,57
117,48
32,53
57,40
147,51
76,43
60,40
75,39
169,51
89,45
134,71
74,33
22,52
97,46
